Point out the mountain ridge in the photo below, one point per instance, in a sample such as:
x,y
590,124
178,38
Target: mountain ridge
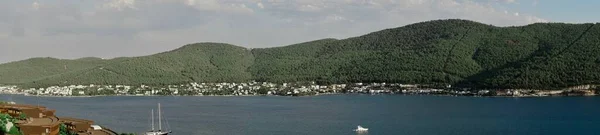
x,y
457,52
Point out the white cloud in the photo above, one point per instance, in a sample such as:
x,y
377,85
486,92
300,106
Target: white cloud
x,y
219,6
507,1
260,5
535,19
510,1
35,5
121,4
308,8
391,13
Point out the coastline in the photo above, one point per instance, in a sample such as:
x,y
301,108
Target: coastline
x,y
319,94
289,89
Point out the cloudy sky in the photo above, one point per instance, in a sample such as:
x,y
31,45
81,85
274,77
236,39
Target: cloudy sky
x,y
112,28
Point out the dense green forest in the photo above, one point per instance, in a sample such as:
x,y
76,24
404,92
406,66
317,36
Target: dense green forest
x,y
458,52
38,68
203,62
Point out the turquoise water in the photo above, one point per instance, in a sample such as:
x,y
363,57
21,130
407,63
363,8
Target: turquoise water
x,y
337,114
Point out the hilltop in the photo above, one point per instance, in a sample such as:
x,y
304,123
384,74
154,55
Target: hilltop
x,y
202,62
25,71
457,52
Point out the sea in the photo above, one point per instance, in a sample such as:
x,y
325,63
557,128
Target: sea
x,y
334,114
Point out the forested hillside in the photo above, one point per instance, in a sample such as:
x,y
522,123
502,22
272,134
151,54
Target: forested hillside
x,y
459,52
562,55
36,68
203,62
430,52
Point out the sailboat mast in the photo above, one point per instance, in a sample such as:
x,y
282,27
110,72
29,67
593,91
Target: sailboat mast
x,y
159,119
152,115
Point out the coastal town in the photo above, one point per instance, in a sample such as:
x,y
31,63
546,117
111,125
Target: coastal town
x,y
287,89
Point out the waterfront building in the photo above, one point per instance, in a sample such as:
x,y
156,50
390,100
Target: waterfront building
x,y
39,120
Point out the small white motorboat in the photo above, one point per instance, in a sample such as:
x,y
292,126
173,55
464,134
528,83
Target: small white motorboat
x,y
361,129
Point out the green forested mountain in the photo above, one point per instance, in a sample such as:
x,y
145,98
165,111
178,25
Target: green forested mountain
x,y
37,68
561,55
459,52
203,62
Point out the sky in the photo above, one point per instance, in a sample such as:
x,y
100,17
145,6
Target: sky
x,y
70,29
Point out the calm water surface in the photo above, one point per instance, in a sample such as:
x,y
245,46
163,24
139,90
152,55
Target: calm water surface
x,y
337,114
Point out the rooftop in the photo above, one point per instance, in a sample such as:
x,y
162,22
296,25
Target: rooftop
x,y
49,121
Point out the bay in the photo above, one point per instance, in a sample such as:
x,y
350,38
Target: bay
x,y
335,114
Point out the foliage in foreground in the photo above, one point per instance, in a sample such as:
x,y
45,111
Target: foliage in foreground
x,y
5,120
64,131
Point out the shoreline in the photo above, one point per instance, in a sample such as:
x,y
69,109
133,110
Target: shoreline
x,y
320,94
289,89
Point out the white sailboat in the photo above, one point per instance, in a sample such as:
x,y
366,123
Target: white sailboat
x,y
153,131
